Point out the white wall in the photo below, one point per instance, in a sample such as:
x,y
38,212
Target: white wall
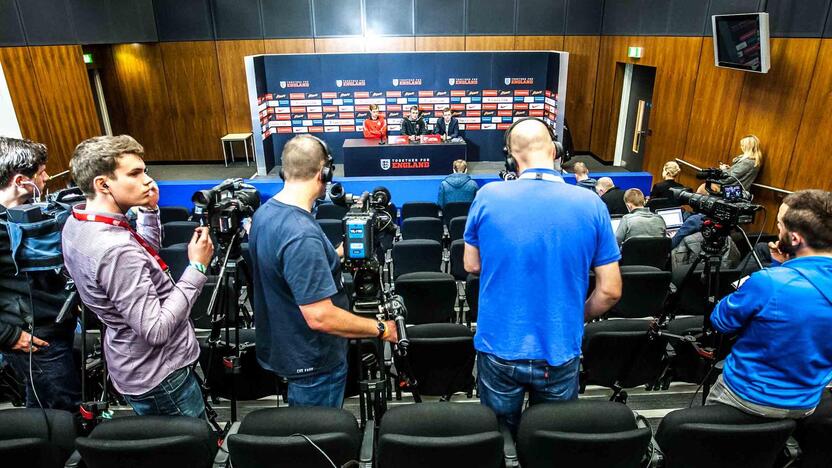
x,y
8,119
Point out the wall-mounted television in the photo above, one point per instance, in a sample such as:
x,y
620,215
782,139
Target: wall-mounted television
x,y
741,41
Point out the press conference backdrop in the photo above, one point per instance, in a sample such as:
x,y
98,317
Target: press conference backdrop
x,y
328,95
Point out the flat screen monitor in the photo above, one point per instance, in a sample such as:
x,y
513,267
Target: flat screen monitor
x,y
741,41
615,222
672,217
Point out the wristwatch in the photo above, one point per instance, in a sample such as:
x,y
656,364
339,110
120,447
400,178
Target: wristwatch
x,y
382,329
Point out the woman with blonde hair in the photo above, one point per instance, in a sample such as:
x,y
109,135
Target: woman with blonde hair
x,y
745,167
670,172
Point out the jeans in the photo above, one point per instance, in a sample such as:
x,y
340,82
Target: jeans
x,y
503,385
55,375
178,395
325,389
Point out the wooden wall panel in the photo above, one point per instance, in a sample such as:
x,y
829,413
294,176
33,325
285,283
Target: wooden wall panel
x,y
811,163
289,46
26,98
339,44
390,44
230,56
580,90
67,99
195,93
538,42
716,102
440,43
771,105
144,93
489,42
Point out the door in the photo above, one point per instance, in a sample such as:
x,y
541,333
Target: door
x,y
636,104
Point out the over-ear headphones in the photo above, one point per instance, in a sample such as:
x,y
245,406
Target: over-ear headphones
x,y
328,171
511,163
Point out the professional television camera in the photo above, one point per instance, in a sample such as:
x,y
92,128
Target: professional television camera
x,y
223,208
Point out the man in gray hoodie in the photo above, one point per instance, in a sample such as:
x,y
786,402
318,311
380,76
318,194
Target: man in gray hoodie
x,y
640,222
457,187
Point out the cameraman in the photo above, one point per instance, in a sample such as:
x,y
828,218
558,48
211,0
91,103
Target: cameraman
x,y
149,341
522,234
22,178
299,296
782,359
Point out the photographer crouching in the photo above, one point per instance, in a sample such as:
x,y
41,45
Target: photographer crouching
x,y
782,360
30,302
299,297
149,341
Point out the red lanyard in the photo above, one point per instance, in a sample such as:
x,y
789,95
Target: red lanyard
x,y
123,224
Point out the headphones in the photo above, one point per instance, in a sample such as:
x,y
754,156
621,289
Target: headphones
x,y
328,171
511,163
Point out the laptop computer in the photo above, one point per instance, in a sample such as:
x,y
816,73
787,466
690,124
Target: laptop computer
x,y
672,219
615,222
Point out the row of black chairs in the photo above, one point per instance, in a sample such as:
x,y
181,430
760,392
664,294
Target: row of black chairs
x,y
408,210
577,433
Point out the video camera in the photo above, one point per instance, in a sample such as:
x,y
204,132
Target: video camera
x,y
724,210
224,207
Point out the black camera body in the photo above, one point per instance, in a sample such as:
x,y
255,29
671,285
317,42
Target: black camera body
x,y
725,211
223,208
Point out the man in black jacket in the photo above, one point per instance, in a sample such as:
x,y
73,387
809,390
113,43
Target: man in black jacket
x,y
30,303
414,124
612,196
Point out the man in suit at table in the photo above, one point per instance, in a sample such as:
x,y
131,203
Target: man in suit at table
x,y
447,126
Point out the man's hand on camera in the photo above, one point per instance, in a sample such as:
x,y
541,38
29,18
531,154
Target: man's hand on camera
x,y
776,254
201,249
391,334
25,339
340,250
153,197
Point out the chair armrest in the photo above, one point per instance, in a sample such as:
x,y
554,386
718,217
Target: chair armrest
x,y
74,461
221,459
365,458
509,450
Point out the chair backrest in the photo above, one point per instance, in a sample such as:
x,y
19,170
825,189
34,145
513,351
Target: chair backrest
x,y
457,260
416,255
649,251
429,296
439,435
178,232
442,358
26,440
455,210
456,227
422,228
268,434
176,256
661,203
643,293
149,442
333,230
620,351
814,433
330,211
690,295
173,213
581,433
720,436
472,297
420,209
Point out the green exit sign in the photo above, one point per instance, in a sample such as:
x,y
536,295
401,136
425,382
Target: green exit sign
x,y
87,58
635,52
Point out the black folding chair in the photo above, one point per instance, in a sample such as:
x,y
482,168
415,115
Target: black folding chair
x,y
454,210
456,228
178,232
168,214
420,209
429,296
333,229
410,256
330,211
422,228
649,251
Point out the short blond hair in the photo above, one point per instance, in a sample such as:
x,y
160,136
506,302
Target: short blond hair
x,y
460,166
671,169
580,168
373,107
634,197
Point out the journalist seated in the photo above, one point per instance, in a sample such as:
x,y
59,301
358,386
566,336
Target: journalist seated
x,y
782,359
639,222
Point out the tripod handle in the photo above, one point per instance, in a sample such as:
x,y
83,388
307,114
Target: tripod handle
x,y
401,330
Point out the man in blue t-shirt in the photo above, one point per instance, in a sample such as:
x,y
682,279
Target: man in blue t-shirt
x,y
299,297
533,241
782,360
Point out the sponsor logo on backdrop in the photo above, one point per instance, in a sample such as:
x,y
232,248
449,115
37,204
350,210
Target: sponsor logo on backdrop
x,y
518,81
385,164
313,96
404,163
376,94
409,93
407,82
350,83
294,84
463,81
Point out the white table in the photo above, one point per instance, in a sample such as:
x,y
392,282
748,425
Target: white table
x,y
245,138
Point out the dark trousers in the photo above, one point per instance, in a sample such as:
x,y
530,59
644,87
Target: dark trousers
x,y
55,375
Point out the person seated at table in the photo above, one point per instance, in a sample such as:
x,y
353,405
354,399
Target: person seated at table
x,y
447,126
375,128
414,124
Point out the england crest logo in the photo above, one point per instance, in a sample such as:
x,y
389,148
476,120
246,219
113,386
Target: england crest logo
x,y
282,84
395,81
507,81
385,164
338,83
451,81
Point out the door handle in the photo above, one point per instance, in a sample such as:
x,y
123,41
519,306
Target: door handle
x,y
648,132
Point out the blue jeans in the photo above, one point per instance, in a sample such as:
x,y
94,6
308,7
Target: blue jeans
x,y
325,389
503,384
56,377
178,395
